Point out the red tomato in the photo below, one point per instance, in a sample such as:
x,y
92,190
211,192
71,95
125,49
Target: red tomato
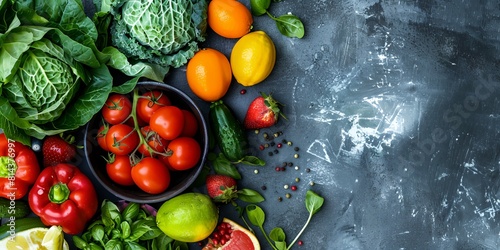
x,y
164,159
122,139
186,153
149,102
190,124
116,109
168,122
101,137
119,170
151,175
156,142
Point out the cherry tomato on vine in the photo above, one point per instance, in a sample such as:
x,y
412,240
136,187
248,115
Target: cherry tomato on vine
x,y
149,102
168,122
101,137
116,109
190,124
151,175
122,139
164,159
155,142
119,170
186,153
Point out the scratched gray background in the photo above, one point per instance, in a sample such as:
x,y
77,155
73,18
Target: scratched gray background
x,y
395,108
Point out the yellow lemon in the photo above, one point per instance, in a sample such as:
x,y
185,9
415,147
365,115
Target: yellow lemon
x,y
252,58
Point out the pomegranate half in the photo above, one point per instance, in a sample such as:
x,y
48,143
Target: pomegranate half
x,y
229,235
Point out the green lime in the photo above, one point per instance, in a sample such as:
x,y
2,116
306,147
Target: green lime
x,y
189,217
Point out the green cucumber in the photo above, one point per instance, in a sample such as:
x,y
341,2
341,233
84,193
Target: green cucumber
x,y
16,208
229,134
18,225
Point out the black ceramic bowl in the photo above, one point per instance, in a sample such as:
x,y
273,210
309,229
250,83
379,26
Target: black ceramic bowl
x,y
180,180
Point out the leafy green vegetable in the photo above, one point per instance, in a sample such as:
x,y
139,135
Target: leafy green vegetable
x,y
129,228
161,32
277,235
53,78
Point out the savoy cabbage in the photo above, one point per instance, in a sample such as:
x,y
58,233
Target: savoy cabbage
x,y
162,32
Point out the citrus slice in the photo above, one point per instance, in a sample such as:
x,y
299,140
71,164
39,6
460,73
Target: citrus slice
x,y
36,238
229,235
54,238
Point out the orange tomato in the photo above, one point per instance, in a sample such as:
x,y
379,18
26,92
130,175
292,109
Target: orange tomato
x,y
229,18
209,74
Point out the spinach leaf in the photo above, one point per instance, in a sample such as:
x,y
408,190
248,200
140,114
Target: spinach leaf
x,y
259,7
290,25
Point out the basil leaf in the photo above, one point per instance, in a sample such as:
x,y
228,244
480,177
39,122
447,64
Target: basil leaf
x,y
94,246
110,214
97,232
313,202
79,242
131,211
256,215
114,244
249,195
125,228
223,166
139,228
161,241
252,160
153,232
116,234
290,25
130,245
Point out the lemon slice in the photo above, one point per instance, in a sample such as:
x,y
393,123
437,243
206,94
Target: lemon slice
x,y
54,239
38,238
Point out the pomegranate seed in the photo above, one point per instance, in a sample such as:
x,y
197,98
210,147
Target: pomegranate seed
x,y
227,236
294,188
261,147
215,241
243,91
279,145
278,169
300,243
283,169
223,241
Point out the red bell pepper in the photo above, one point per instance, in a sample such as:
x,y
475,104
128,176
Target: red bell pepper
x,y
64,196
19,168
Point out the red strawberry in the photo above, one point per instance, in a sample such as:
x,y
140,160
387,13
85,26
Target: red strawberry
x,y
57,149
262,112
221,188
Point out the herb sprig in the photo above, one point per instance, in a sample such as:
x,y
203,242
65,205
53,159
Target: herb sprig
x,y
257,217
130,228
